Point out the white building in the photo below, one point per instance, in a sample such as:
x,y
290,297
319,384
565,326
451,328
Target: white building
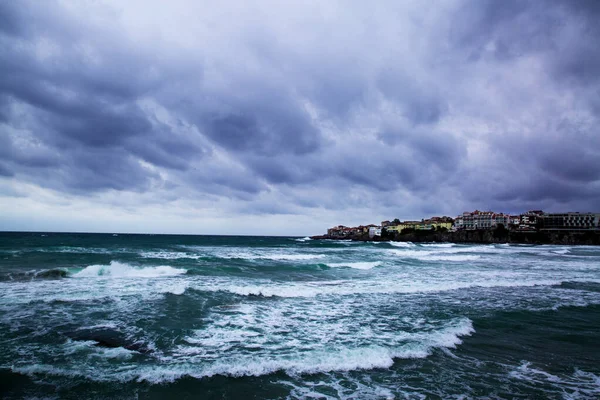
x,y
374,231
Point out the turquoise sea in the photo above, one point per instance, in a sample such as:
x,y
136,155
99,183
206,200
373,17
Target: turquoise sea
x,y
217,317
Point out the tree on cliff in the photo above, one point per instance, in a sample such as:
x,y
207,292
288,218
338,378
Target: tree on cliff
x,y
500,231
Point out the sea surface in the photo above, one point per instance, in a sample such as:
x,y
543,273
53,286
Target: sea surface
x,y
217,317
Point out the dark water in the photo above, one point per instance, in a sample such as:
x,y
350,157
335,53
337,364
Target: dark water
x,y
154,316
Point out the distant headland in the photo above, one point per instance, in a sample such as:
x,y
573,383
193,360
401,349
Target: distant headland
x,y
531,227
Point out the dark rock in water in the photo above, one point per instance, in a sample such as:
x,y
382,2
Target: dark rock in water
x,y
109,338
51,274
56,273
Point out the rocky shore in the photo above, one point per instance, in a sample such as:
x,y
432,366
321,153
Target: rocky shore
x,y
484,237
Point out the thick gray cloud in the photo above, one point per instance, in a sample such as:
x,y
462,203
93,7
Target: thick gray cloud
x,y
400,108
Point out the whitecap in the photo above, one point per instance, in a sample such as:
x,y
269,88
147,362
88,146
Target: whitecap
x,y
169,255
455,258
356,265
263,254
122,270
304,239
335,357
293,257
402,244
432,255
268,288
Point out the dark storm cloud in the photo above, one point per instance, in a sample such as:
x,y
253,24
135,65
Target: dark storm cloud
x,y
267,131
87,114
116,170
543,188
408,104
565,32
573,165
421,103
4,171
555,162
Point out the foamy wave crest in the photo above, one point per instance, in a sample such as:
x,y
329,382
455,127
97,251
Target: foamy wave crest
x,y
346,242
168,255
269,255
402,244
335,359
121,270
340,358
356,265
350,287
293,257
418,345
431,255
450,257
304,239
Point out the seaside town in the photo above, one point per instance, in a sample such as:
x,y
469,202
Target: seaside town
x,y
534,221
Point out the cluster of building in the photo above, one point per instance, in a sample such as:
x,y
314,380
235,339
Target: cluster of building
x,y
535,220
432,223
345,231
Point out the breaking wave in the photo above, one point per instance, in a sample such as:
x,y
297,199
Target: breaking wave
x,y
428,255
122,270
348,287
336,359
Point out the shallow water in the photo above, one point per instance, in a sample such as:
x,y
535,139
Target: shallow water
x,y
155,316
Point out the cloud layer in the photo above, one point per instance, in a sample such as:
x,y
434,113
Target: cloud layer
x,y
293,112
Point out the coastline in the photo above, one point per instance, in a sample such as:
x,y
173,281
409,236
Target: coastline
x,y
567,237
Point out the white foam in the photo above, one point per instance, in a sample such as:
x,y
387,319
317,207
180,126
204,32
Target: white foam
x,y
304,239
268,254
109,325
223,351
76,250
346,242
169,255
587,384
332,358
293,257
177,288
455,258
122,270
112,353
356,265
52,370
402,244
443,254
93,350
438,283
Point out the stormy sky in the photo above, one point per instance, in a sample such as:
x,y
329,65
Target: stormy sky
x,y
270,117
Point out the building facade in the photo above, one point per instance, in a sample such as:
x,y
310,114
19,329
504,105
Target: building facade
x,y
478,220
570,221
483,220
